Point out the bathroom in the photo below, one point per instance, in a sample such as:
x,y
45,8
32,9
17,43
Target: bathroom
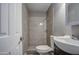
x,y
38,14
44,22
50,20
39,28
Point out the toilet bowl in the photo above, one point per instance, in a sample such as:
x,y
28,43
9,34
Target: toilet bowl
x,y
43,49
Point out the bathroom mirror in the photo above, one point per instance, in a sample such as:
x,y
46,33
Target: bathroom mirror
x,y
72,19
75,31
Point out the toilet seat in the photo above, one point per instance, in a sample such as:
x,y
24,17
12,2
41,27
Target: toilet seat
x,y
43,49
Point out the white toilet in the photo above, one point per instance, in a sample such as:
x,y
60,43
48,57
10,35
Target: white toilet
x,y
43,49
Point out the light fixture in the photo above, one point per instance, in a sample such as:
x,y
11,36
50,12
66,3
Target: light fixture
x,y
41,24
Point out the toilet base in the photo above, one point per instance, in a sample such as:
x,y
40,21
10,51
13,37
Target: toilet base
x,y
43,49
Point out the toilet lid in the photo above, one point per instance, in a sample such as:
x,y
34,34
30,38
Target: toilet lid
x,y
43,47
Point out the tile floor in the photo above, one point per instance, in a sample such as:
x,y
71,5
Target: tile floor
x,y
57,51
36,53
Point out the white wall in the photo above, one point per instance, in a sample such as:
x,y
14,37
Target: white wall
x,y
25,18
37,33
59,19
37,14
67,21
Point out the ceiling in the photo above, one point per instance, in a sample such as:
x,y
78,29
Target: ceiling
x,y
38,7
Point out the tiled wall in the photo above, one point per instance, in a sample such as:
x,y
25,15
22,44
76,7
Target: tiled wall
x,y
36,32
49,23
25,18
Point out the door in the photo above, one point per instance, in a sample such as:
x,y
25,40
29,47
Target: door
x,y
15,27
11,25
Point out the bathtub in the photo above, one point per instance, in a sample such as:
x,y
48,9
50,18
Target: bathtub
x,y
67,44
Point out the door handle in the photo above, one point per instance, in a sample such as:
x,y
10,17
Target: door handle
x,y
20,40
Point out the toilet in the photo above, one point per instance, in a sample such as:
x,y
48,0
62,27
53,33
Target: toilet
x,y
44,49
